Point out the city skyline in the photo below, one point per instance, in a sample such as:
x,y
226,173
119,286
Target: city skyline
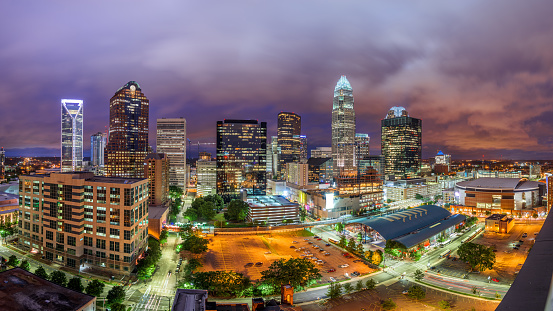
x,y
481,87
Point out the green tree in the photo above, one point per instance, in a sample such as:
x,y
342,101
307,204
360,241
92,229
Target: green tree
x,y
217,201
359,249
388,304
40,272
195,244
416,292
475,291
163,236
59,278
478,256
25,265
359,285
185,230
294,271
351,245
116,295
117,307
75,284
359,237
334,290
222,283
348,288
343,241
370,284
419,196
303,214
95,288
237,210
339,227
175,192
191,214
445,305
419,275
13,261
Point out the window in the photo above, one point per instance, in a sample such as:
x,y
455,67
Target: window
x,y
49,235
88,229
101,195
127,248
114,196
87,241
127,235
114,233
49,245
100,214
100,243
60,238
88,194
71,241
27,225
71,262
67,228
71,251
27,216
36,204
113,246
101,231
114,257
114,216
126,259
88,213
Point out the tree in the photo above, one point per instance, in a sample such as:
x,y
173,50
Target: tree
x,y
369,255
195,244
348,288
40,272
221,283
294,271
535,215
59,278
217,201
25,265
359,285
359,237
303,214
191,214
351,245
95,288
175,192
117,307
343,241
445,305
13,261
377,257
419,275
163,236
185,230
478,256
475,291
370,284
497,295
75,284
418,196
339,227
388,304
237,210
116,295
416,292
334,290
359,249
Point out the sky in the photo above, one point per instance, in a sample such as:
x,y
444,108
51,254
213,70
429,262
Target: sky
x,y
478,73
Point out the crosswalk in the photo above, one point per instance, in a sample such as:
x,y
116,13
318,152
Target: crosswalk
x,y
154,298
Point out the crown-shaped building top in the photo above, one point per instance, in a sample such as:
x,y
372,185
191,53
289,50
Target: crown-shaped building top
x,y
343,87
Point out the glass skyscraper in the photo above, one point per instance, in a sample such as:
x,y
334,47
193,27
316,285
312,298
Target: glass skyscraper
x,y
401,143
288,132
128,132
171,140
97,146
71,135
343,128
241,158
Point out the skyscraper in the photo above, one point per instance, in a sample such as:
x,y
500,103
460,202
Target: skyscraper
x,y
343,128
241,158
97,146
303,148
2,163
156,170
171,140
401,143
128,132
288,132
361,146
71,135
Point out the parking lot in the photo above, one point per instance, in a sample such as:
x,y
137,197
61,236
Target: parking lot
x,y
508,259
236,252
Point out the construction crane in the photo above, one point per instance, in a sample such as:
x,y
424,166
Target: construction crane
x,y
190,143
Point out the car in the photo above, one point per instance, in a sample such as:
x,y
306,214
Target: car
x,y
405,292
306,239
519,245
331,270
327,254
298,250
521,241
332,279
344,265
249,264
309,242
495,280
321,250
515,247
169,273
327,244
177,271
319,239
258,264
320,262
292,246
267,253
357,260
294,242
524,234
355,273
494,250
433,268
345,254
316,237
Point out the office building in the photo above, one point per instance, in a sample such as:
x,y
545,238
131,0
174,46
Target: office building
x,y
2,163
343,128
374,161
171,140
97,146
272,210
297,173
303,148
71,135
81,221
401,143
321,152
408,189
361,146
128,132
241,158
204,156
156,170
273,158
206,174
288,133
9,208
320,170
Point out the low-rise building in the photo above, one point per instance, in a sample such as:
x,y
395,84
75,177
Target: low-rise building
x,y
9,208
407,189
272,210
320,170
499,223
157,219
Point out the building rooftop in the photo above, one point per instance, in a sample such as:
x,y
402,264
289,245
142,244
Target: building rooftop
x,y
317,161
89,176
22,290
190,300
495,217
420,236
268,200
155,212
499,183
155,156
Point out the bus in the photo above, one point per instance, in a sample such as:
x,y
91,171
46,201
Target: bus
x,y
445,253
332,241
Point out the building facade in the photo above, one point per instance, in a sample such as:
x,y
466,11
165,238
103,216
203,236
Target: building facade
x,y
71,135
171,140
297,173
401,143
272,210
9,208
303,148
241,158
343,128
321,152
79,220
156,170
408,189
362,149
2,163
128,132
206,174
499,223
97,146
320,170
288,133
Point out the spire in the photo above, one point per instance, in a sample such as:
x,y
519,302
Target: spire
x,y
343,87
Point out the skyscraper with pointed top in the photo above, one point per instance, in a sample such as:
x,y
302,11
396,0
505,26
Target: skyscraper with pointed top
x,y
343,128
71,135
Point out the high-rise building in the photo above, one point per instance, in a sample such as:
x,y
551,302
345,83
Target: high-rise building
x,y
206,172
80,220
2,164
204,156
303,148
71,135
156,170
297,173
321,152
361,146
171,140
343,128
128,132
241,158
273,156
288,132
320,170
97,146
401,143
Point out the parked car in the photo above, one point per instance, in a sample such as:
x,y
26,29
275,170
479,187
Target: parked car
x,y
524,234
515,247
306,239
316,237
344,265
327,244
321,250
319,239
495,280
355,273
327,254
267,253
332,279
258,264
405,292
358,260
292,246
294,242
249,264
331,270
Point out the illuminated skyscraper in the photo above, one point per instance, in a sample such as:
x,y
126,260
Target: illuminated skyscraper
x,y
128,132
303,148
97,146
171,140
71,135
288,132
361,146
343,128
241,158
401,143
2,163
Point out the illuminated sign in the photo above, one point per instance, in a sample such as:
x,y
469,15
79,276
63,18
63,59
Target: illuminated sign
x,y
329,197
